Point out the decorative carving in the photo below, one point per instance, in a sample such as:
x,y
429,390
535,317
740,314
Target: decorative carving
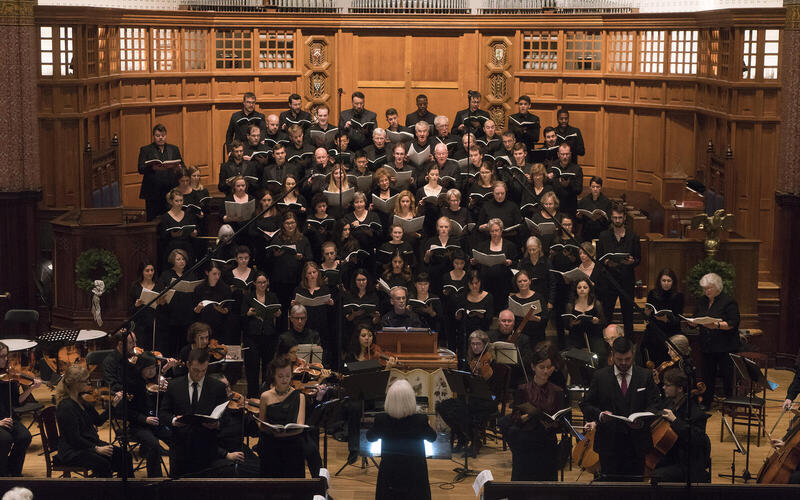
x,y
317,53
498,114
498,54
317,85
497,83
713,225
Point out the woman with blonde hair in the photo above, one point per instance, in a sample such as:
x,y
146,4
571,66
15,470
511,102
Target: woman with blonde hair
x,y
404,471
79,445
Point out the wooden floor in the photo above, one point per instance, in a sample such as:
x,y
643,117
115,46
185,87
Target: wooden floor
x,y
355,483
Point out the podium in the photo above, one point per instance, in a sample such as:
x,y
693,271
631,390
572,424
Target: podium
x,y
122,231
415,348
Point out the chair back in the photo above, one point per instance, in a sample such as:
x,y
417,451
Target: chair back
x,y
21,323
96,358
48,431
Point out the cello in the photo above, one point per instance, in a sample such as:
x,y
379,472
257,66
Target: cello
x,y
780,465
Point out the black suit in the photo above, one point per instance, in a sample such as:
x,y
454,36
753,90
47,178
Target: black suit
x,y
157,183
194,447
621,449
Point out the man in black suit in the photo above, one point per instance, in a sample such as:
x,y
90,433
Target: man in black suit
x,y
421,114
569,134
240,121
195,449
295,115
158,178
621,389
358,123
567,181
472,118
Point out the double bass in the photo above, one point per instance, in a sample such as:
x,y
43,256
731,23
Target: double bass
x,y
784,461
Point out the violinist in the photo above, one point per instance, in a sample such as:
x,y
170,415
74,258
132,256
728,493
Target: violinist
x,y
14,437
298,330
673,466
199,336
142,412
79,445
464,419
118,360
531,436
233,427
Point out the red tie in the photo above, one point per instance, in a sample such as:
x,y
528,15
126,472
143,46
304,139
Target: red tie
x,y
624,384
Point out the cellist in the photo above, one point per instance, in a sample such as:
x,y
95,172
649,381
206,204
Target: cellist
x,y
674,465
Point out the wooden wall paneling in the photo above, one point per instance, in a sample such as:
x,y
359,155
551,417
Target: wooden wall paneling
x,y
766,166
67,163
134,90
196,88
167,89
618,157
680,158
382,79
586,120
66,99
649,92
198,149
648,150
743,179
473,75
435,72
135,132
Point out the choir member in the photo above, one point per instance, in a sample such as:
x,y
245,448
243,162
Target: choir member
x,y
472,118
361,292
489,141
145,322
79,445
241,120
537,266
194,450
313,285
518,168
448,168
502,208
212,298
436,252
319,224
286,262
429,198
364,224
453,210
179,313
586,331
532,197
235,167
535,328
260,335
321,131
482,187
298,152
158,178
618,239
397,272
264,228
255,151
295,115
592,226
421,114
567,181
498,276
475,307
275,173
240,277
299,331
530,433
621,389
199,196
570,135
406,208
420,150
395,245
400,315
443,135
399,163
663,297
547,212
454,285
358,122
379,152
177,226
14,437
466,418
338,183
273,135
524,124
427,306
292,200
718,339
691,453
281,450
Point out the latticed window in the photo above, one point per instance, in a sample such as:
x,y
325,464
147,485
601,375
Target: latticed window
x,y
133,49
651,51
112,49
582,51
540,50
91,50
620,51
194,49
66,51
275,49
750,54
165,49
46,55
234,49
771,49
683,52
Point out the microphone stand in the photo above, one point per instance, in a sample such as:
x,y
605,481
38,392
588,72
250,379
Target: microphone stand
x,y
125,326
686,360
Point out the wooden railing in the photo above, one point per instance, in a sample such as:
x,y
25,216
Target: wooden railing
x,y
102,177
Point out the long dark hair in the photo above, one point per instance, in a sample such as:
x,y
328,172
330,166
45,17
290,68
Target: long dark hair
x,y
276,364
660,291
590,298
370,281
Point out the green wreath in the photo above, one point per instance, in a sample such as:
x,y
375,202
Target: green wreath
x,y
94,264
725,270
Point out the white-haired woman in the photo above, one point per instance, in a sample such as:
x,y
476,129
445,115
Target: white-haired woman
x,y
404,470
719,339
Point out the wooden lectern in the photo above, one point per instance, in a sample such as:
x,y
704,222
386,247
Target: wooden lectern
x,y
121,231
414,348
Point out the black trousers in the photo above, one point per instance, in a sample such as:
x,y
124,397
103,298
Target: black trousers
x,y
148,438
621,465
609,300
155,207
713,363
100,465
14,443
256,359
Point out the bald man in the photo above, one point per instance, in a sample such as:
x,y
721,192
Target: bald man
x,y
273,134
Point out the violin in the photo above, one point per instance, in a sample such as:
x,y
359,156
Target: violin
x,y
482,365
659,371
301,366
101,395
217,351
238,402
375,351
22,377
783,461
154,387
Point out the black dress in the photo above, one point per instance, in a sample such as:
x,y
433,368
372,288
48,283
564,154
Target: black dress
x,y
168,242
594,332
261,337
174,318
143,326
403,474
653,341
497,279
535,330
209,315
282,457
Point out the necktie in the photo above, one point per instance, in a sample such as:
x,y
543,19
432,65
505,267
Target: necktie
x,y
194,394
624,384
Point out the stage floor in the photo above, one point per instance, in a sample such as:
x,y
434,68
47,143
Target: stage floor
x,y
355,483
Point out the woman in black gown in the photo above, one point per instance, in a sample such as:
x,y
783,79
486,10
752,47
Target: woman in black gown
x,y
588,318
258,331
143,327
174,318
497,277
215,314
281,451
177,228
403,474
660,325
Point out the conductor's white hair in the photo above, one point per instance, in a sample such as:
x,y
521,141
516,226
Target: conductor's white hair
x,y
711,279
400,400
18,493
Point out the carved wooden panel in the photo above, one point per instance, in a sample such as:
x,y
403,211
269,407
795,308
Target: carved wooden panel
x,y
680,93
746,102
771,103
198,142
135,132
275,89
618,148
45,99
196,88
680,140
65,99
135,90
649,92
648,145
232,88
618,90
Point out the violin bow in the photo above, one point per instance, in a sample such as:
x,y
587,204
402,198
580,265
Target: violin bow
x,y
783,412
158,385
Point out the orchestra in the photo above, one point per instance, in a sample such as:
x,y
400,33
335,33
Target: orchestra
x,y
460,248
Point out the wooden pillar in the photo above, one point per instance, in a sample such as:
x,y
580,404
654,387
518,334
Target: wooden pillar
x,y
787,227
20,183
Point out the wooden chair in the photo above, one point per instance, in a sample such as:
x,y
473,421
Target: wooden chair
x,y
738,406
48,431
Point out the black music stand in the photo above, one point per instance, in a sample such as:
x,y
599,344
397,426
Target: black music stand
x,y
322,417
738,449
471,386
363,387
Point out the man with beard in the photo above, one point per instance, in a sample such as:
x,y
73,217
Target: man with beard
x,y
358,122
567,180
241,120
472,118
295,115
158,164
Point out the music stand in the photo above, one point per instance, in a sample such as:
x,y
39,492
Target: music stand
x,y
505,353
471,386
310,352
322,416
363,387
737,449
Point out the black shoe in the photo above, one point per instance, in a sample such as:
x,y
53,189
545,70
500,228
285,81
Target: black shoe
x,y
352,457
